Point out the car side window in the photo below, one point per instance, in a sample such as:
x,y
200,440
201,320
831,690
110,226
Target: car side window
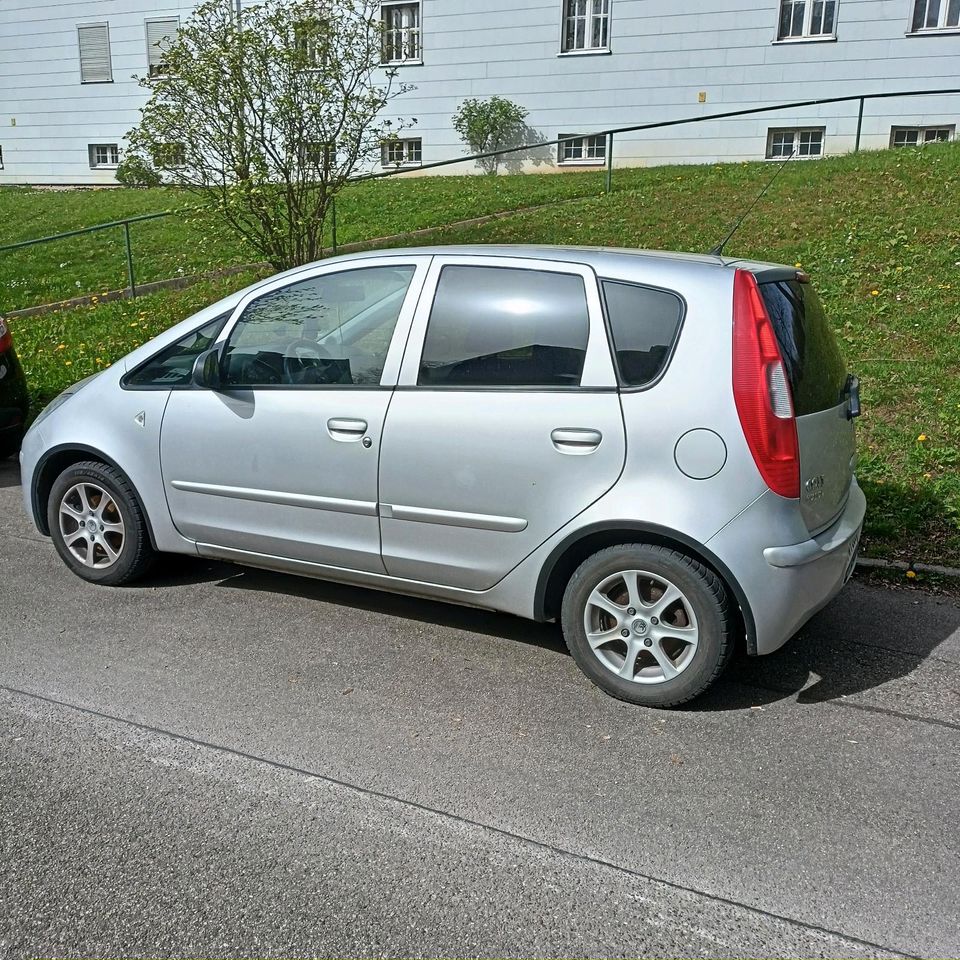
x,y
644,324
331,330
505,327
173,366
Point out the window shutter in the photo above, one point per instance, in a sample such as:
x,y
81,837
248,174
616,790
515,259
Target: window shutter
x,y
160,34
95,53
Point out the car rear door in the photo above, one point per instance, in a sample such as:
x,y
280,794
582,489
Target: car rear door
x,y
818,382
505,423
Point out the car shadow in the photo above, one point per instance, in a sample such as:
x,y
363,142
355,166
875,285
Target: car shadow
x,y
468,619
863,639
866,637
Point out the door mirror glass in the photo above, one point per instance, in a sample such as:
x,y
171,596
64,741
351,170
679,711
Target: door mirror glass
x,y
206,370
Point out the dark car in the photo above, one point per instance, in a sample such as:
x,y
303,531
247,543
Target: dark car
x,y
13,395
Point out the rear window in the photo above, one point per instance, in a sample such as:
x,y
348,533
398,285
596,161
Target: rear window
x,y
504,327
815,369
644,325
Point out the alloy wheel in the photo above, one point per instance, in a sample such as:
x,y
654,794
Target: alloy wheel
x,y
641,627
91,525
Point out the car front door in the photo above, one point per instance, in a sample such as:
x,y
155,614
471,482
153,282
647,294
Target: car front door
x,y
506,421
281,460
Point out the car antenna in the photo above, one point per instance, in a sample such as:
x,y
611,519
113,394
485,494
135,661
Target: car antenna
x,y
717,251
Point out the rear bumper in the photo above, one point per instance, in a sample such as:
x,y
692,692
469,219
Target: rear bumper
x,y
786,585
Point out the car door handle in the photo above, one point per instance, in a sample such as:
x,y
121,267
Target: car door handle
x,y
576,439
346,428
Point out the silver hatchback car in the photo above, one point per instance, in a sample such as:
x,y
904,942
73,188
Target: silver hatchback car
x,y
656,449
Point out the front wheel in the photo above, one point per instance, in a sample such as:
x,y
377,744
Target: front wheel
x,y
647,624
97,525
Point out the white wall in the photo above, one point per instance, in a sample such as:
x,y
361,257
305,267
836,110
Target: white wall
x,y
663,53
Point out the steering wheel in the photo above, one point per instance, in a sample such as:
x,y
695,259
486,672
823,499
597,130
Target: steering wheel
x,y
303,361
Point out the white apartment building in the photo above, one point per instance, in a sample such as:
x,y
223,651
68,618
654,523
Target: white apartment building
x,y
67,93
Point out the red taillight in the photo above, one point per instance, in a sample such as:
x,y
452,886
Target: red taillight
x,y
6,341
762,392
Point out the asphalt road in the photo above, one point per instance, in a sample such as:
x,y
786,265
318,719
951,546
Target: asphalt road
x,y
225,762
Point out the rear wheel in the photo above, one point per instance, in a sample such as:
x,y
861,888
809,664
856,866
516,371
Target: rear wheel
x,y
647,624
97,525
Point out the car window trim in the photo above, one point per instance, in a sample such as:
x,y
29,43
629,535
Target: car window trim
x,y
622,386
597,366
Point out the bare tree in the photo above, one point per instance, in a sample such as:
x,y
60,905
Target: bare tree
x,y
264,113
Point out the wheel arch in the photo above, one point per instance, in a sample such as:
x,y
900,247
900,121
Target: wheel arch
x,y
57,459
574,549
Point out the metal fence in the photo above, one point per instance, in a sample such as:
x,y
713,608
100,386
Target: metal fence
x,y
610,134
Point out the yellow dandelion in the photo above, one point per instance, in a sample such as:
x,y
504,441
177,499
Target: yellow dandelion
x,y
911,575
874,293
922,438
68,363
798,265
62,346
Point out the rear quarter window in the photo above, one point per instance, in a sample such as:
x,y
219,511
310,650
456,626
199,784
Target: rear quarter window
x,y
644,323
815,368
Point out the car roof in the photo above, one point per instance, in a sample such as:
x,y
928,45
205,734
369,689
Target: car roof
x,y
600,258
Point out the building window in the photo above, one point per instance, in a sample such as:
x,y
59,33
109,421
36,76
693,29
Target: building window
x,y
935,15
782,144
402,153
94,42
586,25
577,149
917,136
802,19
401,32
319,156
160,34
311,41
170,156
103,155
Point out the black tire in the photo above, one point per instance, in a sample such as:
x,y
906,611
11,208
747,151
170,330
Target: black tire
x,y
135,553
702,591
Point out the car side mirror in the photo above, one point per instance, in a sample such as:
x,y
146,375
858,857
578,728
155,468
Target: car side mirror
x,y
206,370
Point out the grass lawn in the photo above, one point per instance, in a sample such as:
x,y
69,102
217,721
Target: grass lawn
x,y
190,244
879,232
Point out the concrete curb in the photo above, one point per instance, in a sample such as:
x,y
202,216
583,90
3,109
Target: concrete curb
x,y
871,563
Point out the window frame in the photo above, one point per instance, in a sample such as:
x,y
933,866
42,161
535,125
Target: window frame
x,y
1,156
585,51
405,61
584,161
151,74
805,35
404,142
941,28
921,130
608,324
126,380
109,165
796,131
307,44
106,26
401,330
597,375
